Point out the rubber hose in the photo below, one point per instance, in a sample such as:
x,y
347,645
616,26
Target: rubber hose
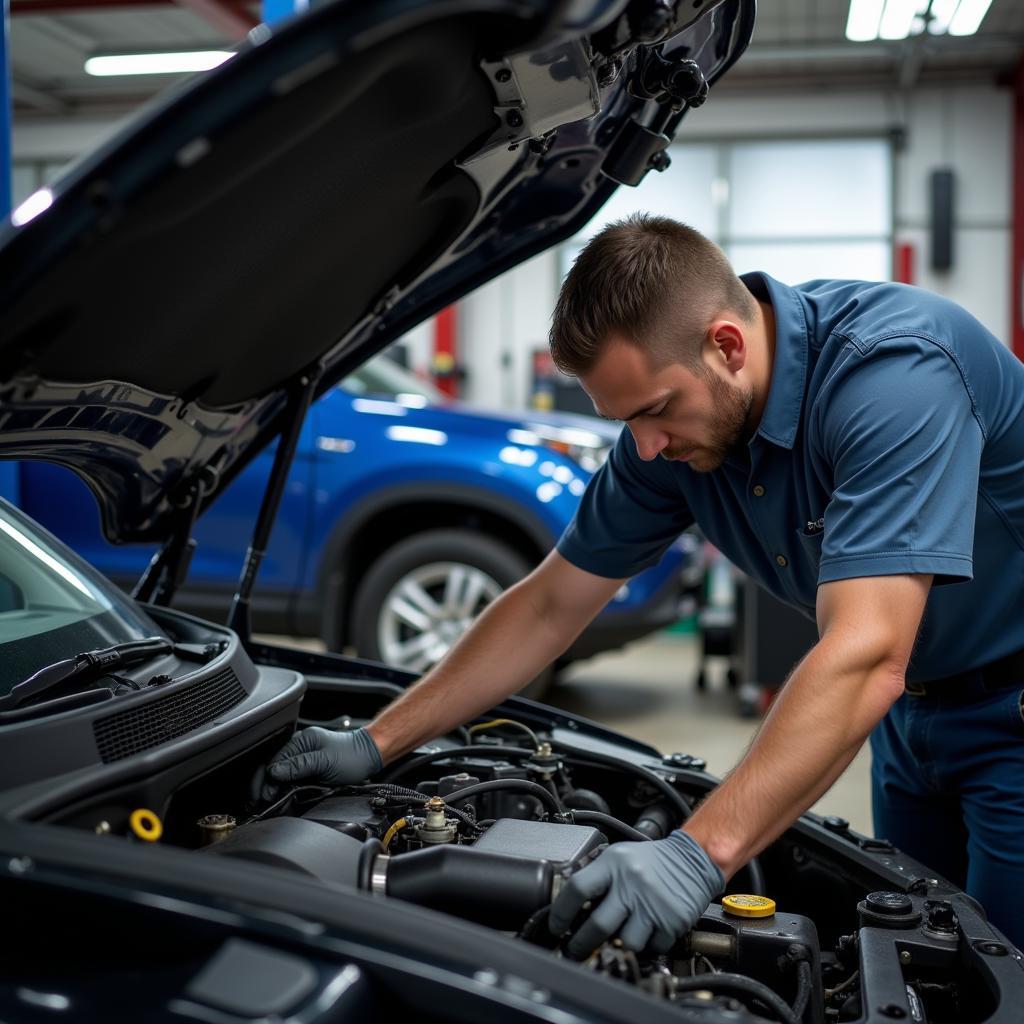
x,y
441,755
651,778
495,889
610,822
757,885
803,989
549,800
740,986
681,804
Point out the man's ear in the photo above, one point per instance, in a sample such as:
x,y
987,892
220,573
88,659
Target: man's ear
x,y
726,343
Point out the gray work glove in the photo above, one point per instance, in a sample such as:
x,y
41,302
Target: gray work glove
x,y
321,756
654,893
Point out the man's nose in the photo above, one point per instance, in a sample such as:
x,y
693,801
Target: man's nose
x,y
648,442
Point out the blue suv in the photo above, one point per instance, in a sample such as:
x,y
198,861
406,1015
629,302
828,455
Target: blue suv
x,y
404,514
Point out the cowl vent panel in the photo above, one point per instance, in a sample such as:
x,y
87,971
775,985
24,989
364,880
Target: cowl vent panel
x,y
128,732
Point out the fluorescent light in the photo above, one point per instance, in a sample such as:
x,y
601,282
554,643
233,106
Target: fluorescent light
x,y
862,24
968,17
941,15
156,63
32,207
898,18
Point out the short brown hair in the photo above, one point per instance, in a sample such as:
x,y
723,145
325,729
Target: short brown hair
x,y
655,281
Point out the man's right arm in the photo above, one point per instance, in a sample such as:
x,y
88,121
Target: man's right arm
x,y
517,635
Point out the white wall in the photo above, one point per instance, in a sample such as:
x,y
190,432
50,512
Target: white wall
x,y
55,141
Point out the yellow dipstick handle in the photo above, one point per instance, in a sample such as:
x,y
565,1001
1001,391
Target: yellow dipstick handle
x,y
393,831
145,825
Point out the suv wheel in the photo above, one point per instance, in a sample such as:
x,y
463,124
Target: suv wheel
x,y
421,595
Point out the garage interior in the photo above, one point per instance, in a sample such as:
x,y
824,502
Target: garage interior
x,y
894,159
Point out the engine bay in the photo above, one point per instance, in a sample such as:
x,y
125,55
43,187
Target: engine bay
x,y
488,828
484,825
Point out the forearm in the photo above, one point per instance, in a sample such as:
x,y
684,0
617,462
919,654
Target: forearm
x,y
514,639
816,726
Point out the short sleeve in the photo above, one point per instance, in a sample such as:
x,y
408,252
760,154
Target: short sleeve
x,y
629,515
898,429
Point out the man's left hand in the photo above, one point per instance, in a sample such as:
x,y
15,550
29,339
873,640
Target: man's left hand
x,y
654,893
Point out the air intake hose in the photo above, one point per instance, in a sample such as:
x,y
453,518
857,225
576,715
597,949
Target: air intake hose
x,y
489,888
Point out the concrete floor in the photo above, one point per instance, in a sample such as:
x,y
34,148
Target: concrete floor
x,y
648,691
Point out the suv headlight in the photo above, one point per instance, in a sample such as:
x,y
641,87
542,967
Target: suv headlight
x,y
585,447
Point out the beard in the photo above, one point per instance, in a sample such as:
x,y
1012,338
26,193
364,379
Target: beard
x,y
731,405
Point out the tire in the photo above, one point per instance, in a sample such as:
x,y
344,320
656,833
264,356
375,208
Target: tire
x,y
399,616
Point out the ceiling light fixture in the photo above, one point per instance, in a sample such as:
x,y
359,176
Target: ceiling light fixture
x,y
969,16
897,19
156,63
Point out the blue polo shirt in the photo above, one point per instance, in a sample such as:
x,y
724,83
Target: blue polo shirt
x,y
892,442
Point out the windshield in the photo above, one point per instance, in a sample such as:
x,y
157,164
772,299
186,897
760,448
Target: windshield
x,y
52,605
383,376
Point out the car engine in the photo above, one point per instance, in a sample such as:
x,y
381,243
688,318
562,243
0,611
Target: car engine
x,y
483,825
488,829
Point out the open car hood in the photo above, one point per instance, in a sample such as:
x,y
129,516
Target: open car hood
x,y
281,219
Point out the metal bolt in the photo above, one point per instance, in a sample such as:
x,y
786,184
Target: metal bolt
x,y
514,119
544,750
435,803
103,828
502,75
905,956
659,161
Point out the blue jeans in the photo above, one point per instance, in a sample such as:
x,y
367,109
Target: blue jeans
x,y
947,787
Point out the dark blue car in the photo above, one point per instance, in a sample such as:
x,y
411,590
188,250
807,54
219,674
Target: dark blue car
x,y
403,516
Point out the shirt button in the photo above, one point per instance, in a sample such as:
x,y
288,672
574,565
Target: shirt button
x,y
781,559
758,491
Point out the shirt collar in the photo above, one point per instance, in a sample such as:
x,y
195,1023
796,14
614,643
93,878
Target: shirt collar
x,y
781,416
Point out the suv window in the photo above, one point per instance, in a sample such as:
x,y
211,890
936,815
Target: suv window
x,y
383,376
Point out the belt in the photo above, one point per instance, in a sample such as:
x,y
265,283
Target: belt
x,y
975,682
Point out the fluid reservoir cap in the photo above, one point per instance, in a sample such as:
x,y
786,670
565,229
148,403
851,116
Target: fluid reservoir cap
x,y
889,903
745,905
146,825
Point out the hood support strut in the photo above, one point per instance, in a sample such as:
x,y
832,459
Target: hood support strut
x,y
168,568
302,392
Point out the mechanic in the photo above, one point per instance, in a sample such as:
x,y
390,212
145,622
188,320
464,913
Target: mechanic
x,y
858,449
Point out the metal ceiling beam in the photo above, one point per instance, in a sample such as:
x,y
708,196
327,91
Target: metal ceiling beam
x,y
30,96
233,21
968,47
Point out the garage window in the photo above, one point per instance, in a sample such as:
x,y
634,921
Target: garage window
x,y
796,209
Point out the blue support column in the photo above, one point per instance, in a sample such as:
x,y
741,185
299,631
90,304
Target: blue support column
x,y
5,115
9,473
280,10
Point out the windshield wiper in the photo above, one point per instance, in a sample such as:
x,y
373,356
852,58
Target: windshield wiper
x,y
81,666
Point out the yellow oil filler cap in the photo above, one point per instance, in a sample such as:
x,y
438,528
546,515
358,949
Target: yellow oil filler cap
x,y
145,825
744,905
